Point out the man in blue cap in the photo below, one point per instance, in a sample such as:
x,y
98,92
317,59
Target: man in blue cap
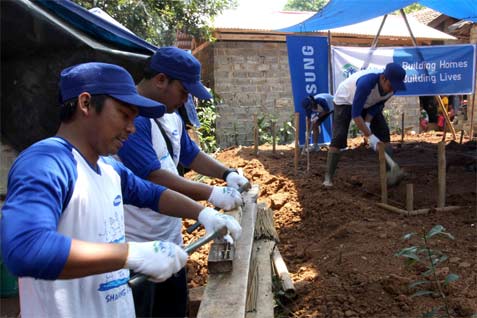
x,y
361,97
62,225
154,152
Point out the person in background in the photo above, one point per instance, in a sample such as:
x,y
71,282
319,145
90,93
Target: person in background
x,y
62,225
154,152
361,97
317,108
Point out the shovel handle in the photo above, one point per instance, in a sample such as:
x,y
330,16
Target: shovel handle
x,y
139,279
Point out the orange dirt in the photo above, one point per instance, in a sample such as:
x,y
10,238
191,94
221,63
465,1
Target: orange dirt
x,y
339,246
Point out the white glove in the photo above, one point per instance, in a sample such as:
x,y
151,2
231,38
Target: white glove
x,y
373,141
235,180
226,198
213,221
157,259
368,124
314,118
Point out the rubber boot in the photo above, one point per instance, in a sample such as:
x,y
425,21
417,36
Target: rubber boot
x,y
331,164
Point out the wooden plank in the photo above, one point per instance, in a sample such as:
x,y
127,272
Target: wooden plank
x,y
297,145
225,294
264,295
409,197
417,212
382,174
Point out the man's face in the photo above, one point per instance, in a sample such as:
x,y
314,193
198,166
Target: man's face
x,y
386,85
174,95
111,127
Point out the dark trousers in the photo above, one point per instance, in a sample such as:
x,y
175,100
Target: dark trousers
x,y
166,299
341,122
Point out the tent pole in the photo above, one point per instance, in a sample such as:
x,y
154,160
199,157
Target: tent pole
x,y
374,44
408,27
330,69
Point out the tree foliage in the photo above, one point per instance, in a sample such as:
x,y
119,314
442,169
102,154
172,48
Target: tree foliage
x,y
305,5
158,20
413,8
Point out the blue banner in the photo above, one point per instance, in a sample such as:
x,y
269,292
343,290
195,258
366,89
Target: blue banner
x,y
438,70
308,61
430,70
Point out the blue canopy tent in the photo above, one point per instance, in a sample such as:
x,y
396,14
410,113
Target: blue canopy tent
x,y
338,13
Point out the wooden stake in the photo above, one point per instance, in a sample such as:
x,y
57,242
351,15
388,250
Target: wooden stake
x,y
297,145
471,131
444,128
283,274
409,197
255,134
402,127
274,136
382,173
441,174
307,145
446,116
461,136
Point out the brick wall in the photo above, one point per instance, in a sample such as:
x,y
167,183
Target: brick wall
x,y
254,78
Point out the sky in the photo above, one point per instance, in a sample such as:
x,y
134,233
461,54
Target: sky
x,y
262,5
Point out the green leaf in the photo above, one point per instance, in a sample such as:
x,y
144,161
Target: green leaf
x,y
435,230
408,252
451,278
408,235
422,293
419,283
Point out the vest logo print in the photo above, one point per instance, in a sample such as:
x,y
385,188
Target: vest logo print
x,y
117,200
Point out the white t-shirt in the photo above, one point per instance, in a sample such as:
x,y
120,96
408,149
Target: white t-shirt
x,y
145,224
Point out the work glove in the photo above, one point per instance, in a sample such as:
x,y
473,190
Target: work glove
x,y
214,221
314,118
157,259
226,198
373,141
235,180
368,124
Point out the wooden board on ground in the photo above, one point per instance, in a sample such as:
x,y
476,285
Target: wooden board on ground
x,y
225,294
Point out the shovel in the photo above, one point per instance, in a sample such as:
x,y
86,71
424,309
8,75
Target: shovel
x,y
395,174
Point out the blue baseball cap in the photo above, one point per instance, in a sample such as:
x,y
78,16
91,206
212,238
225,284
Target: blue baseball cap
x,y
180,65
108,79
395,74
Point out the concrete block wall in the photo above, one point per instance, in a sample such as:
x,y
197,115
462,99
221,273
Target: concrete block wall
x,y
251,78
409,106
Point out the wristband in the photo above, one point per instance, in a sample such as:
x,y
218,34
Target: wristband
x,y
227,172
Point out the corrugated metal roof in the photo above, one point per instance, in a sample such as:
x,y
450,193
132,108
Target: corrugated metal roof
x,y
426,15
270,21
